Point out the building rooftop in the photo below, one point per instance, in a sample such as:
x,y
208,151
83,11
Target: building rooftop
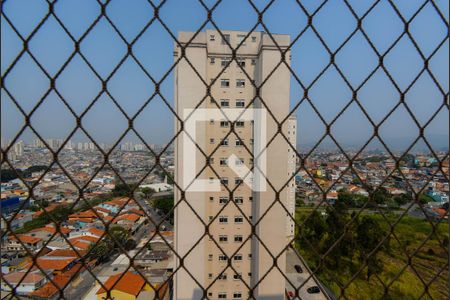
x,y
130,283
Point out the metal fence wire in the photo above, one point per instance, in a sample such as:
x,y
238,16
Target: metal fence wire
x,y
431,279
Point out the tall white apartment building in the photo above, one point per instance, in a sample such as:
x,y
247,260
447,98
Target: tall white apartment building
x,y
291,124
214,229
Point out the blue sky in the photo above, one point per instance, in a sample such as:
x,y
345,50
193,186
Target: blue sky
x,y
131,88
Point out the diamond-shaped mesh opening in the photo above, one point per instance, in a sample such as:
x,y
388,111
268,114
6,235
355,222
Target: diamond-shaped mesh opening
x,y
355,159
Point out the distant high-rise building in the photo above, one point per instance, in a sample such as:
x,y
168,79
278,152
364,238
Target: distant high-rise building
x,y
18,148
291,124
68,145
38,143
55,144
206,257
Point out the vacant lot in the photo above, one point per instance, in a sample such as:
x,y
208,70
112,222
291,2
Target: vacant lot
x,y
411,237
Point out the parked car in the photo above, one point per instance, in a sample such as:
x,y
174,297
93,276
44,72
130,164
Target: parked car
x,y
313,290
298,268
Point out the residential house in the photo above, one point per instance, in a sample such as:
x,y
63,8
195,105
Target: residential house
x,y
22,281
126,286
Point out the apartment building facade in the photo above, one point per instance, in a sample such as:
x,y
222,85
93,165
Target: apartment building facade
x,y
218,256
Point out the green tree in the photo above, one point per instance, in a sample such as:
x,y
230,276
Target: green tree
x,y
368,235
344,196
123,189
402,199
148,192
87,204
424,199
338,237
58,215
315,228
118,235
100,250
164,204
381,196
299,202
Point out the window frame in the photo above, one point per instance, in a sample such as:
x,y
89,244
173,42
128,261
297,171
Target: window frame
x,y
240,83
224,83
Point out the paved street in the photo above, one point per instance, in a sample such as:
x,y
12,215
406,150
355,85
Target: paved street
x,y
299,279
87,281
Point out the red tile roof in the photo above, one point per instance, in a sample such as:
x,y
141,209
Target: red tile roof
x,y
16,277
130,283
96,232
50,289
66,253
25,239
46,263
52,229
86,238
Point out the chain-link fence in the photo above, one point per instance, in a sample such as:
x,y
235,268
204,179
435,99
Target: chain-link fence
x,y
367,224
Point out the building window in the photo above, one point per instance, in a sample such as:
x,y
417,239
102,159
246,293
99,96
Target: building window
x,y
223,257
237,276
239,161
239,200
238,238
212,37
249,256
225,39
224,61
237,295
210,257
241,62
210,160
254,39
238,180
223,238
240,103
253,61
241,38
239,143
210,275
212,60
224,180
239,124
211,198
240,83
222,296
225,83
250,198
222,276
223,219
223,200
238,219
224,142
238,257
223,161
224,124
224,103
211,141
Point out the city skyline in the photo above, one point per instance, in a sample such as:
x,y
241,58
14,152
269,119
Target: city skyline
x,y
329,94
